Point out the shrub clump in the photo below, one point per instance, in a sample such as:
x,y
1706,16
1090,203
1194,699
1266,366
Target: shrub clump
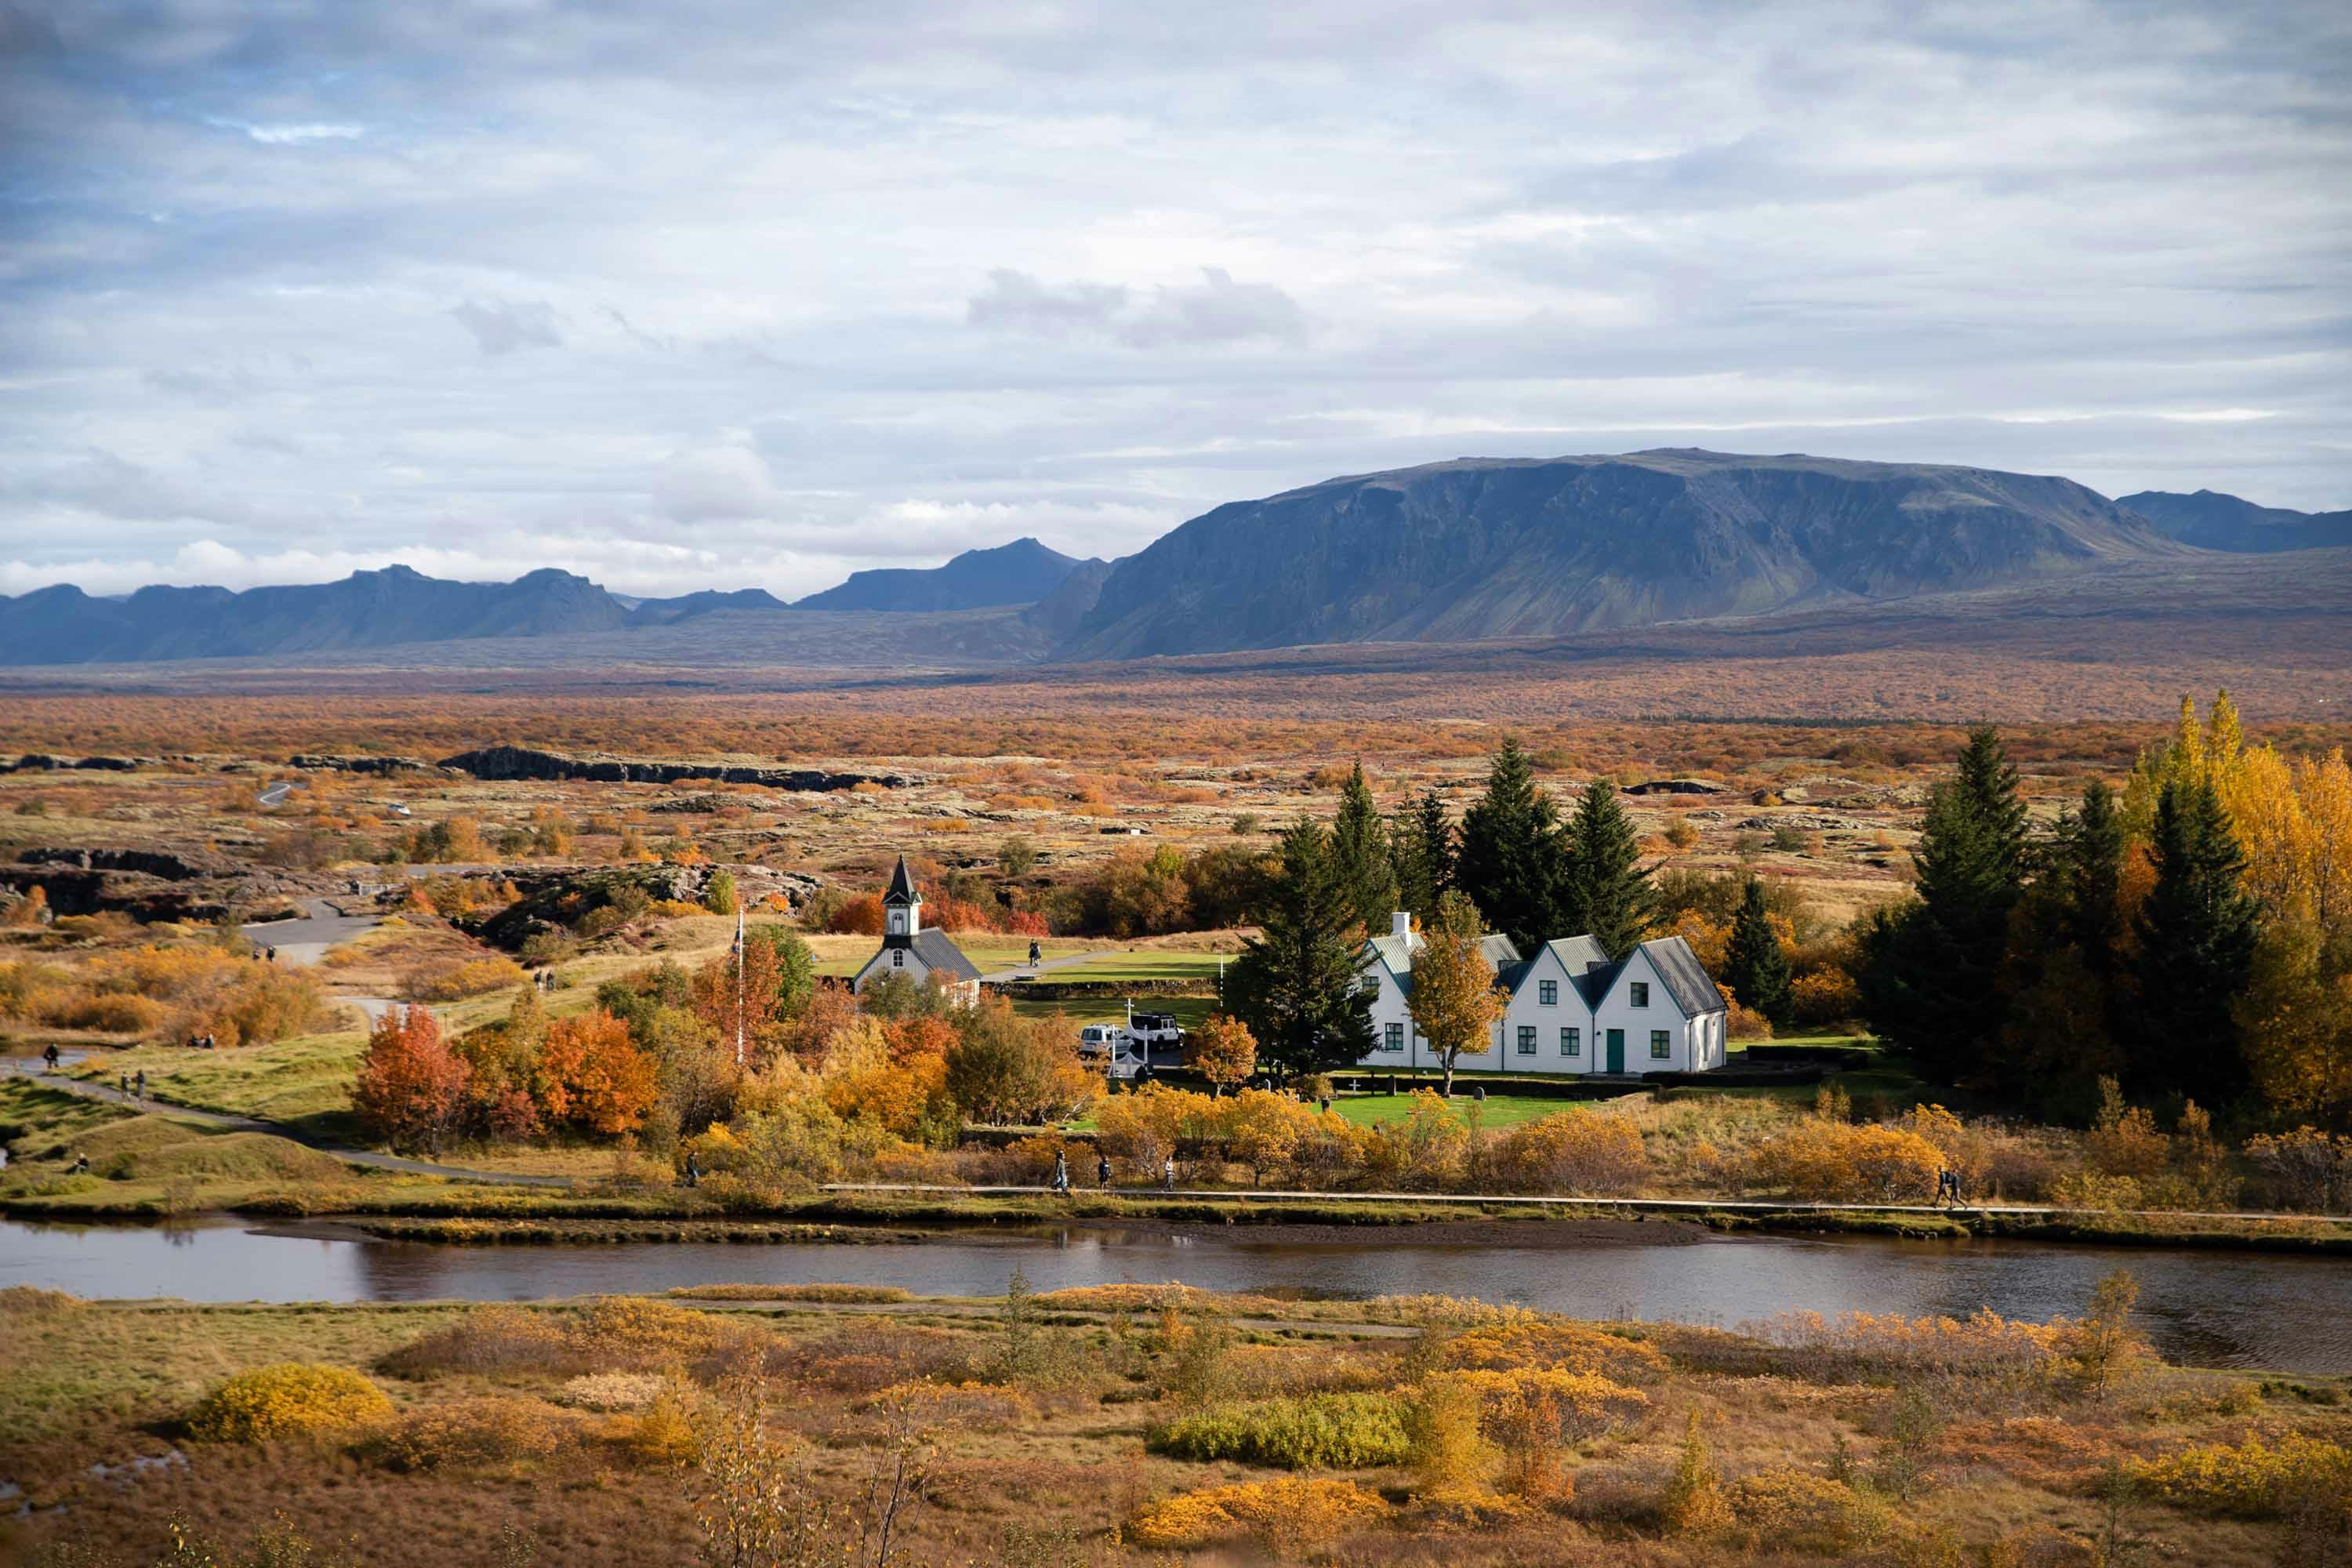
x,y
1796,1511
1293,1511
1571,1347
489,1430
2255,1480
286,1400
1315,1431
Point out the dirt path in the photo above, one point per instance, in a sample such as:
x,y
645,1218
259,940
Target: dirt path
x,y
305,942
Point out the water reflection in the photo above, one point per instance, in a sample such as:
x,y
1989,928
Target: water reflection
x,y
2284,1313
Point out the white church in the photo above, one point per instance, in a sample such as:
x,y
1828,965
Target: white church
x,y
919,954
1573,1009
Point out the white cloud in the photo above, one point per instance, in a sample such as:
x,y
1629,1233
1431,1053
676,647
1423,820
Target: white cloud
x,y
839,288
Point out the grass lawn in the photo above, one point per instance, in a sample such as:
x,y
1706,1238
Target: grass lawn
x,y
305,1081
1143,966
1501,1109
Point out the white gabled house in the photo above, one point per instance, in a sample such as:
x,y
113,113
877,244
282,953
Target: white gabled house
x,y
919,954
1573,1010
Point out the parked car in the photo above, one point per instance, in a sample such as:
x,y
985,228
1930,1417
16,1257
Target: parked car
x,y
1157,1031
1095,1039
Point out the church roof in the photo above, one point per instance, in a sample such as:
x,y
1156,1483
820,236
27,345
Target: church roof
x,y
902,886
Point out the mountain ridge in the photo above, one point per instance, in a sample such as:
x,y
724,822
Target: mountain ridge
x,y
1511,547
1020,573
2212,520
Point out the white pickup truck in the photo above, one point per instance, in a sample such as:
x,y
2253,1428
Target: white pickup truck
x,y
1156,1030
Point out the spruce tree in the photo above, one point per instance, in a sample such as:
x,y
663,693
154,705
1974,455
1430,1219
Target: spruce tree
x,y
1513,861
1753,965
2197,934
2061,974
1931,971
1298,985
1360,855
1608,889
1422,845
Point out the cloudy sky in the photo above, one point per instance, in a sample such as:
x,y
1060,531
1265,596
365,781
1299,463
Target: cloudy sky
x,y
727,292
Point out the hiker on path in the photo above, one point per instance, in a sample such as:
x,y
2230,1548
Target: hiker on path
x,y
1168,1174
50,1057
1035,956
1102,1172
142,1083
1061,1172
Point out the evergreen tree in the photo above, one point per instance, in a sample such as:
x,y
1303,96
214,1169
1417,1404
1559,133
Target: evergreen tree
x,y
1360,855
1608,889
2063,972
2197,935
1931,970
1298,985
1513,861
1422,845
1753,965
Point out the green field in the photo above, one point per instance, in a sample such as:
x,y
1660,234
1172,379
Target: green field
x,y
1112,966
1502,1108
1190,1011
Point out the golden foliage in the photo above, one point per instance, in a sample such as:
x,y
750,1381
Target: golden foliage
x,y
1832,1161
2256,1479
492,1430
1292,1511
286,1400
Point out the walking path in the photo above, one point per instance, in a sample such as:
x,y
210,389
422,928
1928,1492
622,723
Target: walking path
x,y
230,1123
1032,971
1639,1205
305,942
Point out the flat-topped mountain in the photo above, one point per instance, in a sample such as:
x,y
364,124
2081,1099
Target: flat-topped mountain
x,y
1517,547
2212,520
1021,572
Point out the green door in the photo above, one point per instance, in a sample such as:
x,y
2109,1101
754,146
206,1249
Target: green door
x,y
1616,1050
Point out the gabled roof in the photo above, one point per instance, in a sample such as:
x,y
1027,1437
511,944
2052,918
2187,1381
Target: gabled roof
x,y
1396,952
939,952
902,886
1578,953
1593,983
1687,979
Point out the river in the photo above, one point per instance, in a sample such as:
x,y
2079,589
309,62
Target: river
x,y
2204,1309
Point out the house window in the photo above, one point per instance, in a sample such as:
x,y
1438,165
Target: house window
x,y
1548,993
897,958
1661,1045
1640,990
1393,1037
1571,1043
1527,1039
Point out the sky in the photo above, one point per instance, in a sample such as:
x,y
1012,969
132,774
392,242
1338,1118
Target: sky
x,y
734,293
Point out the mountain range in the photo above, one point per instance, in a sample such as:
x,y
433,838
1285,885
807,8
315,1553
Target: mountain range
x,y
1470,550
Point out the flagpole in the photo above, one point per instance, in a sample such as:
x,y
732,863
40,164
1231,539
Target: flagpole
x,y
738,985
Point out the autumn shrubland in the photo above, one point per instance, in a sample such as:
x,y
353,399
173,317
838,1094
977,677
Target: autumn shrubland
x,y
1138,1429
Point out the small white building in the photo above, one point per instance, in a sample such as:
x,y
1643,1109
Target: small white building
x,y
1573,1010
919,954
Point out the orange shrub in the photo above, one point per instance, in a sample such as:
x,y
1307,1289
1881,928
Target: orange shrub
x,y
454,979
286,1400
1832,1161
1292,1512
1576,1151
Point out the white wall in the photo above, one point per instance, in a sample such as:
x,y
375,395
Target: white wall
x,y
1617,1011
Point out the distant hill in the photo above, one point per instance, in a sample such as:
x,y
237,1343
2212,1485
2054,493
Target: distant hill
x,y
669,612
1021,572
367,609
2212,520
1483,548
1058,613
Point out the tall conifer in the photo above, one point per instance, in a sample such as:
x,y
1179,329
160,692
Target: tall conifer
x,y
1422,845
2197,935
1930,980
1608,889
1360,855
1513,861
1297,985
1754,966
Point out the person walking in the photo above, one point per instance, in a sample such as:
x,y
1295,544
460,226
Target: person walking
x,y
1061,1172
1168,1174
50,1057
124,1080
693,1170
1102,1172
141,1081
1034,954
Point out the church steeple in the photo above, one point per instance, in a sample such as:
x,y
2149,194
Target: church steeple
x,y
902,906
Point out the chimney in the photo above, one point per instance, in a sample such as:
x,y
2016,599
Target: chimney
x,y
1401,923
